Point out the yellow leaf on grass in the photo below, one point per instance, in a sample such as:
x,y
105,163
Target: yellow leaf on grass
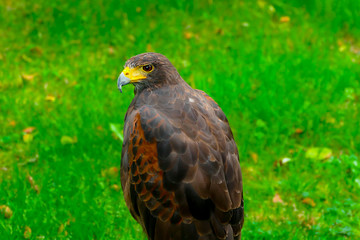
x,y
112,172
330,119
68,140
70,220
149,48
29,129
28,77
27,232
285,19
115,187
26,58
33,184
111,50
318,153
72,84
31,180
254,157
5,211
109,76
36,50
50,98
188,35
309,201
61,228
299,131
277,199
342,48
28,137
261,3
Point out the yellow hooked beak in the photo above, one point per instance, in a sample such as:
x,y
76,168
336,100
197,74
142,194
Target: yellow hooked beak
x,y
134,74
130,75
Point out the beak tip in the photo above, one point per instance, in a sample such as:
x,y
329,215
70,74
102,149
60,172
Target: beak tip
x,y
122,80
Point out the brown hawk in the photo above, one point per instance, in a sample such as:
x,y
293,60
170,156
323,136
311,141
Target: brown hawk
x,y
180,170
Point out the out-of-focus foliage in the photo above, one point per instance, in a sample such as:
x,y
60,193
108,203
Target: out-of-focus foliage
x,y
286,73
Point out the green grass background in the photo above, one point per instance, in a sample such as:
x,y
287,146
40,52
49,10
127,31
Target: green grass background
x,y
59,61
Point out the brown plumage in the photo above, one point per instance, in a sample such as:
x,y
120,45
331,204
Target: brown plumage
x,y
180,170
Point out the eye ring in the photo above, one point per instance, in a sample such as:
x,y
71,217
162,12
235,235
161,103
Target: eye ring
x,y
148,68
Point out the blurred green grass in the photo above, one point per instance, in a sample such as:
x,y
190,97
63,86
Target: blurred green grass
x,y
286,73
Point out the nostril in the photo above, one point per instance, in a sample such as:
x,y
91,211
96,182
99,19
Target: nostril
x,y
127,73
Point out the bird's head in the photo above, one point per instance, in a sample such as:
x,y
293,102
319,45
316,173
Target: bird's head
x,y
148,70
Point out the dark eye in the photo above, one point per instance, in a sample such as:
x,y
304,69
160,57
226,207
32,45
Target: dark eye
x,y
147,68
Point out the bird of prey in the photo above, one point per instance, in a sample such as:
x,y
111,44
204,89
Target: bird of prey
x,y
180,170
